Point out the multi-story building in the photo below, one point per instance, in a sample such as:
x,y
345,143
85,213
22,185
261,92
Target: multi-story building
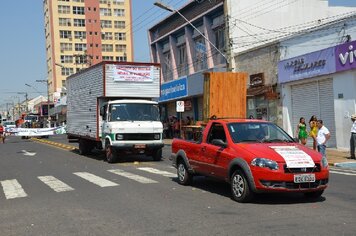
x,y
186,51
81,33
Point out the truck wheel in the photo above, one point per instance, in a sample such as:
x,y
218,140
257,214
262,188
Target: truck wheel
x,y
83,147
184,177
314,195
157,154
240,188
110,153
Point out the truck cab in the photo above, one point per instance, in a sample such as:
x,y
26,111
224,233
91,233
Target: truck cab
x,y
131,126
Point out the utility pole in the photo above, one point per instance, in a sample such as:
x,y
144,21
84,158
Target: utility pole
x,y
48,116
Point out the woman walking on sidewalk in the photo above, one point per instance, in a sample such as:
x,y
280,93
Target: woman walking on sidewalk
x,y
313,129
353,137
302,131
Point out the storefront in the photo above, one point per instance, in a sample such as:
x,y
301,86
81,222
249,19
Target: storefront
x,y
188,89
320,83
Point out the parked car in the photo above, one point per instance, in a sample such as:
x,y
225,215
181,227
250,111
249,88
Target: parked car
x,y
254,156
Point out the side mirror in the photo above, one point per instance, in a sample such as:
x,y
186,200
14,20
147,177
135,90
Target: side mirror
x,y
219,142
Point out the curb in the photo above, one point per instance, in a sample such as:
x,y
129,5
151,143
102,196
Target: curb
x,y
60,145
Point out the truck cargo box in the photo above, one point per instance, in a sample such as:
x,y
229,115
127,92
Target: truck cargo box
x,y
106,80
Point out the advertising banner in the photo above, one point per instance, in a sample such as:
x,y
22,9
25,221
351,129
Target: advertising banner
x,y
36,131
174,89
345,56
305,66
127,73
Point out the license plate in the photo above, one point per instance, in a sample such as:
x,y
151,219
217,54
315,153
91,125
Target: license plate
x,y
304,178
140,146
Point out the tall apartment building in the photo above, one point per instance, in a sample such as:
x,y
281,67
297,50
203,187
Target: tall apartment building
x,y
81,33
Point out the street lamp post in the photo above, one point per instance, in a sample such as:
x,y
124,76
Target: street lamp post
x,y
47,83
168,8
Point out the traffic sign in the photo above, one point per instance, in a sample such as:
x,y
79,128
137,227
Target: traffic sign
x,y
180,106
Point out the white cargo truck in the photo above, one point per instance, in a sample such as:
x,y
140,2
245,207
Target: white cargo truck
x,y
111,106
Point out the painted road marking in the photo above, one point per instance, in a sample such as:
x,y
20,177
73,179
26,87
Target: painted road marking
x,y
158,172
342,173
135,177
96,179
12,189
343,170
55,183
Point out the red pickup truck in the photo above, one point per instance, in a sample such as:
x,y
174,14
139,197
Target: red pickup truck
x,y
253,156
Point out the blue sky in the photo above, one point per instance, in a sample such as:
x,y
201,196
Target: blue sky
x,y
22,43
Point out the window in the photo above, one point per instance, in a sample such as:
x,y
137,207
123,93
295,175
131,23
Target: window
x,y
63,9
217,132
108,58
65,34
119,24
119,12
80,59
63,0
104,1
119,2
107,48
182,66
66,46
66,59
78,0
80,47
219,34
106,36
105,12
167,67
80,34
120,36
123,58
78,10
79,22
120,48
67,71
106,24
200,60
64,21
63,83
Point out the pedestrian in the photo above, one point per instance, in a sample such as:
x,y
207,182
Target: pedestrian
x,y
302,131
2,133
313,123
322,137
353,137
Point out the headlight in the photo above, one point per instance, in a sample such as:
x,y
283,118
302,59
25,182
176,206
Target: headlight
x,y
119,136
324,162
157,136
263,162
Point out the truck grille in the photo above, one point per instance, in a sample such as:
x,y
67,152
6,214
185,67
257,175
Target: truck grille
x,y
138,136
314,169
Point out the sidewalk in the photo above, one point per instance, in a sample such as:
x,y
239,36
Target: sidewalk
x,y
333,155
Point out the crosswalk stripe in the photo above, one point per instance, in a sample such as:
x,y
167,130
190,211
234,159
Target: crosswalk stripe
x,y
55,183
159,172
135,177
96,179
12,189
341,173
343,170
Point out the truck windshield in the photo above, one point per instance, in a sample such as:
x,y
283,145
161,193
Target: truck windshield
x,y
258,132
134,112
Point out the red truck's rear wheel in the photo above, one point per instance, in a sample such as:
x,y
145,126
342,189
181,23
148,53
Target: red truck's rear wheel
x,y
184,177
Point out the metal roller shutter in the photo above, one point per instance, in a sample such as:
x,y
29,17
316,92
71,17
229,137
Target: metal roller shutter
x,y
327,108
314,98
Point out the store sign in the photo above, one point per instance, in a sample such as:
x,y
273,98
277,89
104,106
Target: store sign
x,y
309,65
174,89
345,56
257,80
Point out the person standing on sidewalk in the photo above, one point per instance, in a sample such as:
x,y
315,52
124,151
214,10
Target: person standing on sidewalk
x,y
322,137
353,137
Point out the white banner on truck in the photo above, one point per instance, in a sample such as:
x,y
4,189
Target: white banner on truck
x,y
134,73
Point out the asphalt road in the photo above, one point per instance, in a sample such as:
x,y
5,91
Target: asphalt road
x,y
141,197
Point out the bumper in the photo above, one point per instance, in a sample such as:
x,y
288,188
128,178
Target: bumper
x,y
265,181
137,146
